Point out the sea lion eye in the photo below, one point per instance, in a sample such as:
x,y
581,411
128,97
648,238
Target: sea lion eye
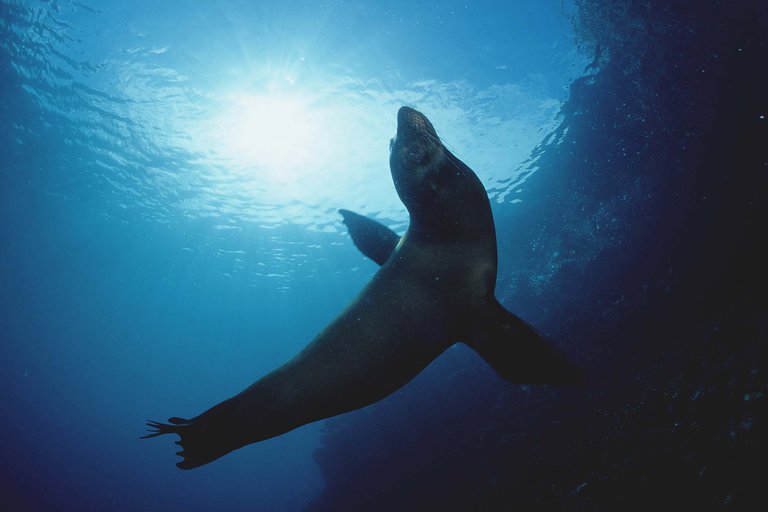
x,y
415,154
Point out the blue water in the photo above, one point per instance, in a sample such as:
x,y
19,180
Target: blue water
x,y
169,185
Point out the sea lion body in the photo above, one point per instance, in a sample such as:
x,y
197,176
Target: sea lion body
x,y
435,287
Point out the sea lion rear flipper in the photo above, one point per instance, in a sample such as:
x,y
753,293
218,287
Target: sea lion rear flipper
x,y
373,238
518,352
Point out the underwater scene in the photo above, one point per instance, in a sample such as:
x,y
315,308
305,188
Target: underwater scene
x,y
170,192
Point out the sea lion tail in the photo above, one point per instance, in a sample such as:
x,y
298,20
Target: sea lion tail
x,y
518,352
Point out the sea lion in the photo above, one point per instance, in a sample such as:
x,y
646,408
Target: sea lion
x,y
435,287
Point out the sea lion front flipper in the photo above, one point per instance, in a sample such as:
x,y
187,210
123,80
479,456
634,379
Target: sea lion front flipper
x,y
174,426
203,439
518,352
374,239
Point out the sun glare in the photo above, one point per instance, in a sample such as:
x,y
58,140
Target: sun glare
x,y
297,150
274,136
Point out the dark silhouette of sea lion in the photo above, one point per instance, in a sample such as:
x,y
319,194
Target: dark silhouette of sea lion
x,y
374,239
435,287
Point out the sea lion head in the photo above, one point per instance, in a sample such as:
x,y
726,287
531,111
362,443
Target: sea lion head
x,y
415,157
442,194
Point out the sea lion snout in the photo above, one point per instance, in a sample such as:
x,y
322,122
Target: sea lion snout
x,y
415,136
411,122
416,142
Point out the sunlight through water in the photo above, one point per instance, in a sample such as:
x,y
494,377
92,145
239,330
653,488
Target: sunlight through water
x,y
271,118
278,137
